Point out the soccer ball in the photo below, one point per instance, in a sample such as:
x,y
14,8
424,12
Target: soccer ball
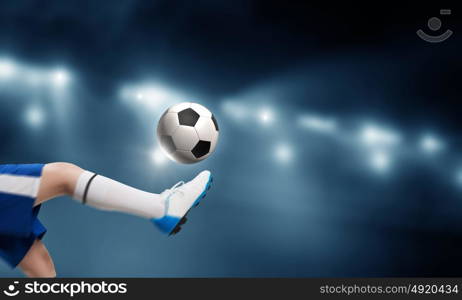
x,y
188,132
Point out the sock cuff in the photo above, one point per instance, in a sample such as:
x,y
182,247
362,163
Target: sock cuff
x,y
81,188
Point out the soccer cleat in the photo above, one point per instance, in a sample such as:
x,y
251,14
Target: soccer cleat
x,y
180,199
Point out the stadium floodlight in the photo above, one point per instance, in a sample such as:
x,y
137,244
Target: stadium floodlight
x,y
379,137
151,96
430,144
318,124
7,68
34,117
266,116
380,161
60,77
157,94
283,153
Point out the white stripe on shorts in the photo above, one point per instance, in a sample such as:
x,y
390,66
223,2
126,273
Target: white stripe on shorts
x,y
19,185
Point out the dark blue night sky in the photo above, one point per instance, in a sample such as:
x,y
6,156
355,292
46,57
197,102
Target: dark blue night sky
x,y
339,152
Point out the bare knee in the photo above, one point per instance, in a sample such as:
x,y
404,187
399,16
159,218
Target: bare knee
x,y
64,175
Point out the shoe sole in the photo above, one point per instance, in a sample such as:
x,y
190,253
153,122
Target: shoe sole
x,y
172,225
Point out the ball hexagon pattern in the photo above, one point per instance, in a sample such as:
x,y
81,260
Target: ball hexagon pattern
x,y
188,132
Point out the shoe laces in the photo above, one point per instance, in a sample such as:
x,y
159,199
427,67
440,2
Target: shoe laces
x,y
174,189
170,192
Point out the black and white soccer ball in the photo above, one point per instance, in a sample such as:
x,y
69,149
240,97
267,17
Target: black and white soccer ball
x,y
188,132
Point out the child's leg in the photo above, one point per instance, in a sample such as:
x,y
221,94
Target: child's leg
x,y
97,191
37,262
57,179
167,210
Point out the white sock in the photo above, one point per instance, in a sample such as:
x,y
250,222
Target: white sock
x,y
107,194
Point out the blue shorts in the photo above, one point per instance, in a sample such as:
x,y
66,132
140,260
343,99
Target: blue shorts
x,y
19,225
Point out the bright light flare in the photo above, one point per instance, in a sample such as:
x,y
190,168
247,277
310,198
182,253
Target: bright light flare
x,y
318,124
151,96
34,117
431,144
158,157
27,74
283,153
7,68
379,137
60,77
266,116
380,161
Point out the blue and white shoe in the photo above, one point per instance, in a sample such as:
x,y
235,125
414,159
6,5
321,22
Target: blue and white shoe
x,y
180,199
